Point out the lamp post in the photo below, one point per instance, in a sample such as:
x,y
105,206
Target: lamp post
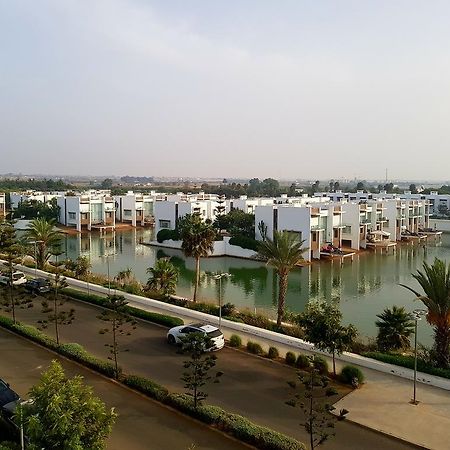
x,y
417,315
107,255
219,276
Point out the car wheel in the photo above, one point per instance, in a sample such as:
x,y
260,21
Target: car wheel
x,y
171,339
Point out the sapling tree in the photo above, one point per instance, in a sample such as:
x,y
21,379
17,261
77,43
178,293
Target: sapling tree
x,y
321,322
198,366
55,314
311,395
11,251
120,324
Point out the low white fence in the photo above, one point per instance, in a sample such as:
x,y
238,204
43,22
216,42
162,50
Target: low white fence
x,y
251,332
440,225
221,248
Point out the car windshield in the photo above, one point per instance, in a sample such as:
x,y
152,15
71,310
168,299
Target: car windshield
x,y
7,395
17,276
214,333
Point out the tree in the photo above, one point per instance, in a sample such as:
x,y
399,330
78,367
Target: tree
x,y
435,283
121,324
321,322
12,252
198,241
360,186
319,423
65,414
284,252
81,266
413,188
237,223
394,329
164,277
107,183
336,186
42,236
56,315
315,187
198,366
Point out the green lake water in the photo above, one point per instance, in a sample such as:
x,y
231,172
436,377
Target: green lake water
x,y
364,287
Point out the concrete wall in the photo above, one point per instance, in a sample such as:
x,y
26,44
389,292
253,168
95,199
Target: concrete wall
x,y
440,224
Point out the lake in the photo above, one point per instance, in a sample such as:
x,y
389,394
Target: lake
x,y
363,287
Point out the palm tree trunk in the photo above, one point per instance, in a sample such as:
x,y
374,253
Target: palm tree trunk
x,y
197,277
282,290
442,345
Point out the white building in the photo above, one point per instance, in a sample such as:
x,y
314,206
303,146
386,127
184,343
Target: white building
x,y
93,209
134,208
316,225
2,206
32,196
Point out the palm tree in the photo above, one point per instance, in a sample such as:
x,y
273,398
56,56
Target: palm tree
x,y
164,277
284,252
394,329
42,234
435,282
198,241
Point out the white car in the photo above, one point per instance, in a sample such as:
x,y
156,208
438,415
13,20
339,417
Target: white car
x,y
18,278
176,334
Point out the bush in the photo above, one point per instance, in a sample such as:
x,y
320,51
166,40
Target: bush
x,y
162,319
321,365
273,353
290,359
303,362
165,234
254,348
235,341
408,361
147,387
350,373
244,242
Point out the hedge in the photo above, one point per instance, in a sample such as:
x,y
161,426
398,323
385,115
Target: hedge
x,y
162,319
244,242
233,424
408,362
165,234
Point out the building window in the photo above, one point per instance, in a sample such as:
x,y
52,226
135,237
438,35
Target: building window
x,y
347,229
336,233
164,224
72,215
127,212
314,236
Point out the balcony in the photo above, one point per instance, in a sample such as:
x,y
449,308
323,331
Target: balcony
x,y
382,219
365,221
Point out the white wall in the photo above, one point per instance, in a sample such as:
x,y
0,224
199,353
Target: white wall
x,y
440,225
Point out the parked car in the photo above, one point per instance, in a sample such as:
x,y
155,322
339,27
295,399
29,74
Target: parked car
x,y
8,399
217,341
18,278
38,286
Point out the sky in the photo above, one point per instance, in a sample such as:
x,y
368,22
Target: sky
x,y
238,88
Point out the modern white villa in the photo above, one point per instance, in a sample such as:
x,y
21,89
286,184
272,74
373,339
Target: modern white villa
x,y
32,196
135,208
91,210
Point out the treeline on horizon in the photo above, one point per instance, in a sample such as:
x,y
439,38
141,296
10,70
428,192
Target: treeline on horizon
x,y
268,187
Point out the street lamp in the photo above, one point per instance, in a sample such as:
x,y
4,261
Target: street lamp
x,y
219,276
107,255
417,315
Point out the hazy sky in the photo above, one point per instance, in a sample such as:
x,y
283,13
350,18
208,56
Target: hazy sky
x,y
235,88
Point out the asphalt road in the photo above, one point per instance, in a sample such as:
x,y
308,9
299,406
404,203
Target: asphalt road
x,y
142,424
252,386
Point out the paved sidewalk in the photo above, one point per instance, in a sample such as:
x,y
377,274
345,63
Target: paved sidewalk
x,y
383,405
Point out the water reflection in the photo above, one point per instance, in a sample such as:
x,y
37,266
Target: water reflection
x,y
364,287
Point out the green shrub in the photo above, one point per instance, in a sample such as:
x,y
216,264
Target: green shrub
x,y
244,242
162,319
146,386
303,362
350,373
228,309
273,353
290,358
321,365
255,348
165,234
235,341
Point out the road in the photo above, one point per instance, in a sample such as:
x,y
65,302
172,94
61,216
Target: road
x,y
252,386
142,423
